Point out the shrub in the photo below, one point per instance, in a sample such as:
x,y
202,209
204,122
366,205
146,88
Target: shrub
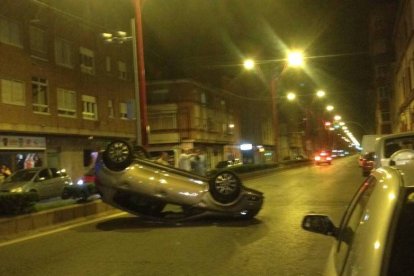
x,y
17,203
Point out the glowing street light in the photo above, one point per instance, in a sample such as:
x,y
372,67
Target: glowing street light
x,y
320,94
295,59
291,96
329,108
248,64
337,118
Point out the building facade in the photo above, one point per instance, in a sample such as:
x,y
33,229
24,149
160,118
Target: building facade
x,y
63,92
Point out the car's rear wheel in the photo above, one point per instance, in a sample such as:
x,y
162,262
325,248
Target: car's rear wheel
x,y
118,155
225,187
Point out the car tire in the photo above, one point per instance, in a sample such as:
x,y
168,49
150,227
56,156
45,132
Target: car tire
x,y
225,187
118,155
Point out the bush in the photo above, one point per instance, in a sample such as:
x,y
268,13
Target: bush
x,y
17,203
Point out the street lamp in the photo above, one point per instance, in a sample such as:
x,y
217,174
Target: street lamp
x,y
320,93
293,59
329,108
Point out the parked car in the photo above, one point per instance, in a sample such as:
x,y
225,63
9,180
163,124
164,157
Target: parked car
x,y
83,188
367,163
323,157
127,179
45,182
386,145
375,236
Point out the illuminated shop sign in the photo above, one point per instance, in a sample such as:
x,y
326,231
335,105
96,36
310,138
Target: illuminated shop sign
x,y
22,142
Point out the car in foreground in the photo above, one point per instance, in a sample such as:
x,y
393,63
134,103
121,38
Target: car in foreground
x,y
375,236
323,157
45,182
127,179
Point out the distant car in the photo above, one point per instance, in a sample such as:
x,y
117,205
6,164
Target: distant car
x,y
128,179
45,182
367,163
83,188
323,157
375,236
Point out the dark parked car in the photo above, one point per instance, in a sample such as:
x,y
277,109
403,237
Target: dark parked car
x,y
127,179
367,163
45,182
83,188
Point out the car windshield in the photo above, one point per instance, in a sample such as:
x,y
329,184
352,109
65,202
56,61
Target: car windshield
x,y
23,175
402,251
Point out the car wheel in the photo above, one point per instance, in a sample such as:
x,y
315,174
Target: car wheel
x,y
117,156
225,186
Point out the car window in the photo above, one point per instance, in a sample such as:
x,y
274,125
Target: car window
x,y
351,221
392,145
23,175
44,174
57,173
402,250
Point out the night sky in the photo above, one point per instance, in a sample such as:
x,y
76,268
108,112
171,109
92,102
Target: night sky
x,y
333,35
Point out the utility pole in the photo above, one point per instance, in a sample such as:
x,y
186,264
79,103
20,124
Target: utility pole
x,y
139,64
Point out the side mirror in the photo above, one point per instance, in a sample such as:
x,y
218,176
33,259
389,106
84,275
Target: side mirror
x,y
321,224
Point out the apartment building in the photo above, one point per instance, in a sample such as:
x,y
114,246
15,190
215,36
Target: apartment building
x,y
403,41
185,114
63,92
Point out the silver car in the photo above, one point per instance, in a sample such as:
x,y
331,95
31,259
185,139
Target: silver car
x,y
45,182
127,179
386,145
376,234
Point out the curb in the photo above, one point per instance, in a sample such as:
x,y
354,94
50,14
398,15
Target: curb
x,y
20,225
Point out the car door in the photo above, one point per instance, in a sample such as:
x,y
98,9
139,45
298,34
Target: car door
x,y
58,181
44,185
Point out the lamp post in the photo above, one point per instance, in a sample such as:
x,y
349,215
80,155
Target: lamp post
x,y
294,59
140,95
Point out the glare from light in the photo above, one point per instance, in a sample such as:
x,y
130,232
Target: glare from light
x,y
337,118
320,94
248,64
377,245
106,35
329,107
295,59
291,96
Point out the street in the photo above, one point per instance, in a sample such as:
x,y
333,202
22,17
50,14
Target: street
x,y
271,244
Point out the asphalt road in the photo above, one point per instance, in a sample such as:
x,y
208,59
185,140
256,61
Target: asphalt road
x,y
271,244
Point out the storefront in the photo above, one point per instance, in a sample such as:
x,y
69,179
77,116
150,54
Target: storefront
x,y
21,152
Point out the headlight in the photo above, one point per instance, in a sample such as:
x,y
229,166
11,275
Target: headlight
x,y
80,182
17,190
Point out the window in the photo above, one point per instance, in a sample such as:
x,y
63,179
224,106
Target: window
x,y
123,111
87,61
39,95
163,121
10,32
122,70
110,108
38,42
63,53
66,102
13,92
90,109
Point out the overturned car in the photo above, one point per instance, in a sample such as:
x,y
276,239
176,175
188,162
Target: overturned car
x,y
127,179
